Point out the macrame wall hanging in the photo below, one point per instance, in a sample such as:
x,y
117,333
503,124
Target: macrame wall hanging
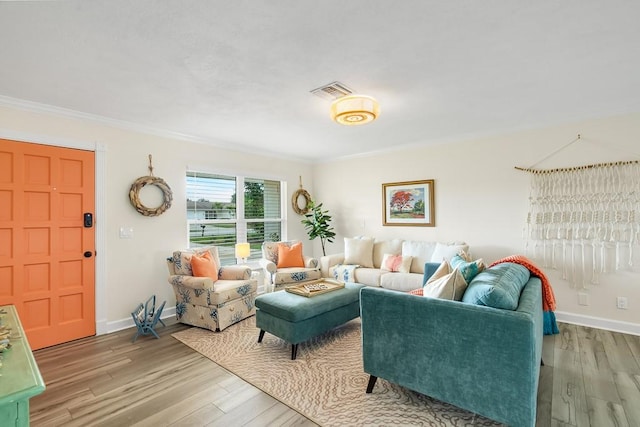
x,y
584,220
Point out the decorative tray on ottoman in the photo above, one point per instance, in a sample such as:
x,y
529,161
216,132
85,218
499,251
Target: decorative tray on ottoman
x,y
315,287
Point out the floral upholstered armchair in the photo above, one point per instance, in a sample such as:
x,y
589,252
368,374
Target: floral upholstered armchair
x,y
209,296
286,265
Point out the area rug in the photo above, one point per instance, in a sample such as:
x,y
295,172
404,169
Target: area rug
x,y
326,383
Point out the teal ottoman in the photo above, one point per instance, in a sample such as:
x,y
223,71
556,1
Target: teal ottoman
x,y
296,319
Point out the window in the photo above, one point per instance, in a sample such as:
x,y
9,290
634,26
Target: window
x,y
223,210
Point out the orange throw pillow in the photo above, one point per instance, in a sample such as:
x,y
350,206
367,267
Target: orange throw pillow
x,y
203,266
290,256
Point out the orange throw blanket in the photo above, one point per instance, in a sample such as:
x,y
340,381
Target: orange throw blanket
x,y
548,298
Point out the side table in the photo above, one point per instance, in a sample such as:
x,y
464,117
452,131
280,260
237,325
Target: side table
x,y
21,379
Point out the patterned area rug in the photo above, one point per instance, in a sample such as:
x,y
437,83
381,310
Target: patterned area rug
x,y
326,383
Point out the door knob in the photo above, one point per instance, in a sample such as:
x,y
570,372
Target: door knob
x,y
88,254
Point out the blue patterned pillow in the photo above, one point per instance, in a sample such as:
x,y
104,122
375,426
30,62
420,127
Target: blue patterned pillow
x,y
498,287
469,269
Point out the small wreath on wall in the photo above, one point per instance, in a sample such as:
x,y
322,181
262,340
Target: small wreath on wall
x,y
295,200
140,183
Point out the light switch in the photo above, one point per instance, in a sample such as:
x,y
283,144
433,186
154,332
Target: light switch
x,y
126,232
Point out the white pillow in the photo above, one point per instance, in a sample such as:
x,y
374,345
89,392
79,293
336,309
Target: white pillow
x,y
420,251
396,263
358,251
443,270
450,286
448,250
385,247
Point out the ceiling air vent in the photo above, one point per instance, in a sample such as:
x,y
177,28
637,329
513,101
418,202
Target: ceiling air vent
x,y
332,91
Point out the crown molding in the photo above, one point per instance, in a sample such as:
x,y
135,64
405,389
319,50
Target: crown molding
x,y
36,107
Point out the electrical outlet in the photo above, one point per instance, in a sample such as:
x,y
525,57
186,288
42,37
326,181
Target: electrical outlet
x,y
622,303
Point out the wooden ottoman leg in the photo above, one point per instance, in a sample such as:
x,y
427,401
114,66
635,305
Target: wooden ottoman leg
x,y
261,335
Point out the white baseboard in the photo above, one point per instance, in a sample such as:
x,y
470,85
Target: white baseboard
x,y
598,322
118,325
104,327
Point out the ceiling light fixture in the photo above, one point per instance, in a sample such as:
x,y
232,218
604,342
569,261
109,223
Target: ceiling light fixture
x,y
354,109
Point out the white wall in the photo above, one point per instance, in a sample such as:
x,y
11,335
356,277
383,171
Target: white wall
x,y
136,268
482,199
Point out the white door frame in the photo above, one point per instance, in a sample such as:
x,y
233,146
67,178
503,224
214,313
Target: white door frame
x,y
100,215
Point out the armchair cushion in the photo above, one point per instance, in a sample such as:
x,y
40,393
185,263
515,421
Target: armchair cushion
x,y
290,255
228,290
182,259
204,266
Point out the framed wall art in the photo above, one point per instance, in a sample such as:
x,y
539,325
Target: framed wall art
x,y
408,203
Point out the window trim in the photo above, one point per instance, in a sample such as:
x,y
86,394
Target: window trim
x,y
241,223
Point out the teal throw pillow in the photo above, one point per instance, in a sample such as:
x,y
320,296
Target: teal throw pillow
x,y
469,269
498,287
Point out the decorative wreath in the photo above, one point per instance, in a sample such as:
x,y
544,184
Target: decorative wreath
x,y
300,210
150,180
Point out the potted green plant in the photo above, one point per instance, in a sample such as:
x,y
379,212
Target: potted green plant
x,y
317,223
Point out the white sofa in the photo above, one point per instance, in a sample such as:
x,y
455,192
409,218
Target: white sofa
x,y
368,254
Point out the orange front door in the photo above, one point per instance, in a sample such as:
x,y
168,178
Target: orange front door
x,y
47,267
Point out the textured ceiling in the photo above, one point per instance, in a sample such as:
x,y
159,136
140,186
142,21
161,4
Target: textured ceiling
x,y
238,73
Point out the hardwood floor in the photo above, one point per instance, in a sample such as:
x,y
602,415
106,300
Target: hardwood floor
x,y
109,381
591,377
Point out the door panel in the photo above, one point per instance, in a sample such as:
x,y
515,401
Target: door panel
x,y
44,193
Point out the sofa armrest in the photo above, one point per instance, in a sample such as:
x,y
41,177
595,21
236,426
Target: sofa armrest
x,y
235,272
269,266
310,262
479,358
191,282
328,261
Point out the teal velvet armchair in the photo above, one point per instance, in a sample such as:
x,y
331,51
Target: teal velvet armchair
x,y
482,359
